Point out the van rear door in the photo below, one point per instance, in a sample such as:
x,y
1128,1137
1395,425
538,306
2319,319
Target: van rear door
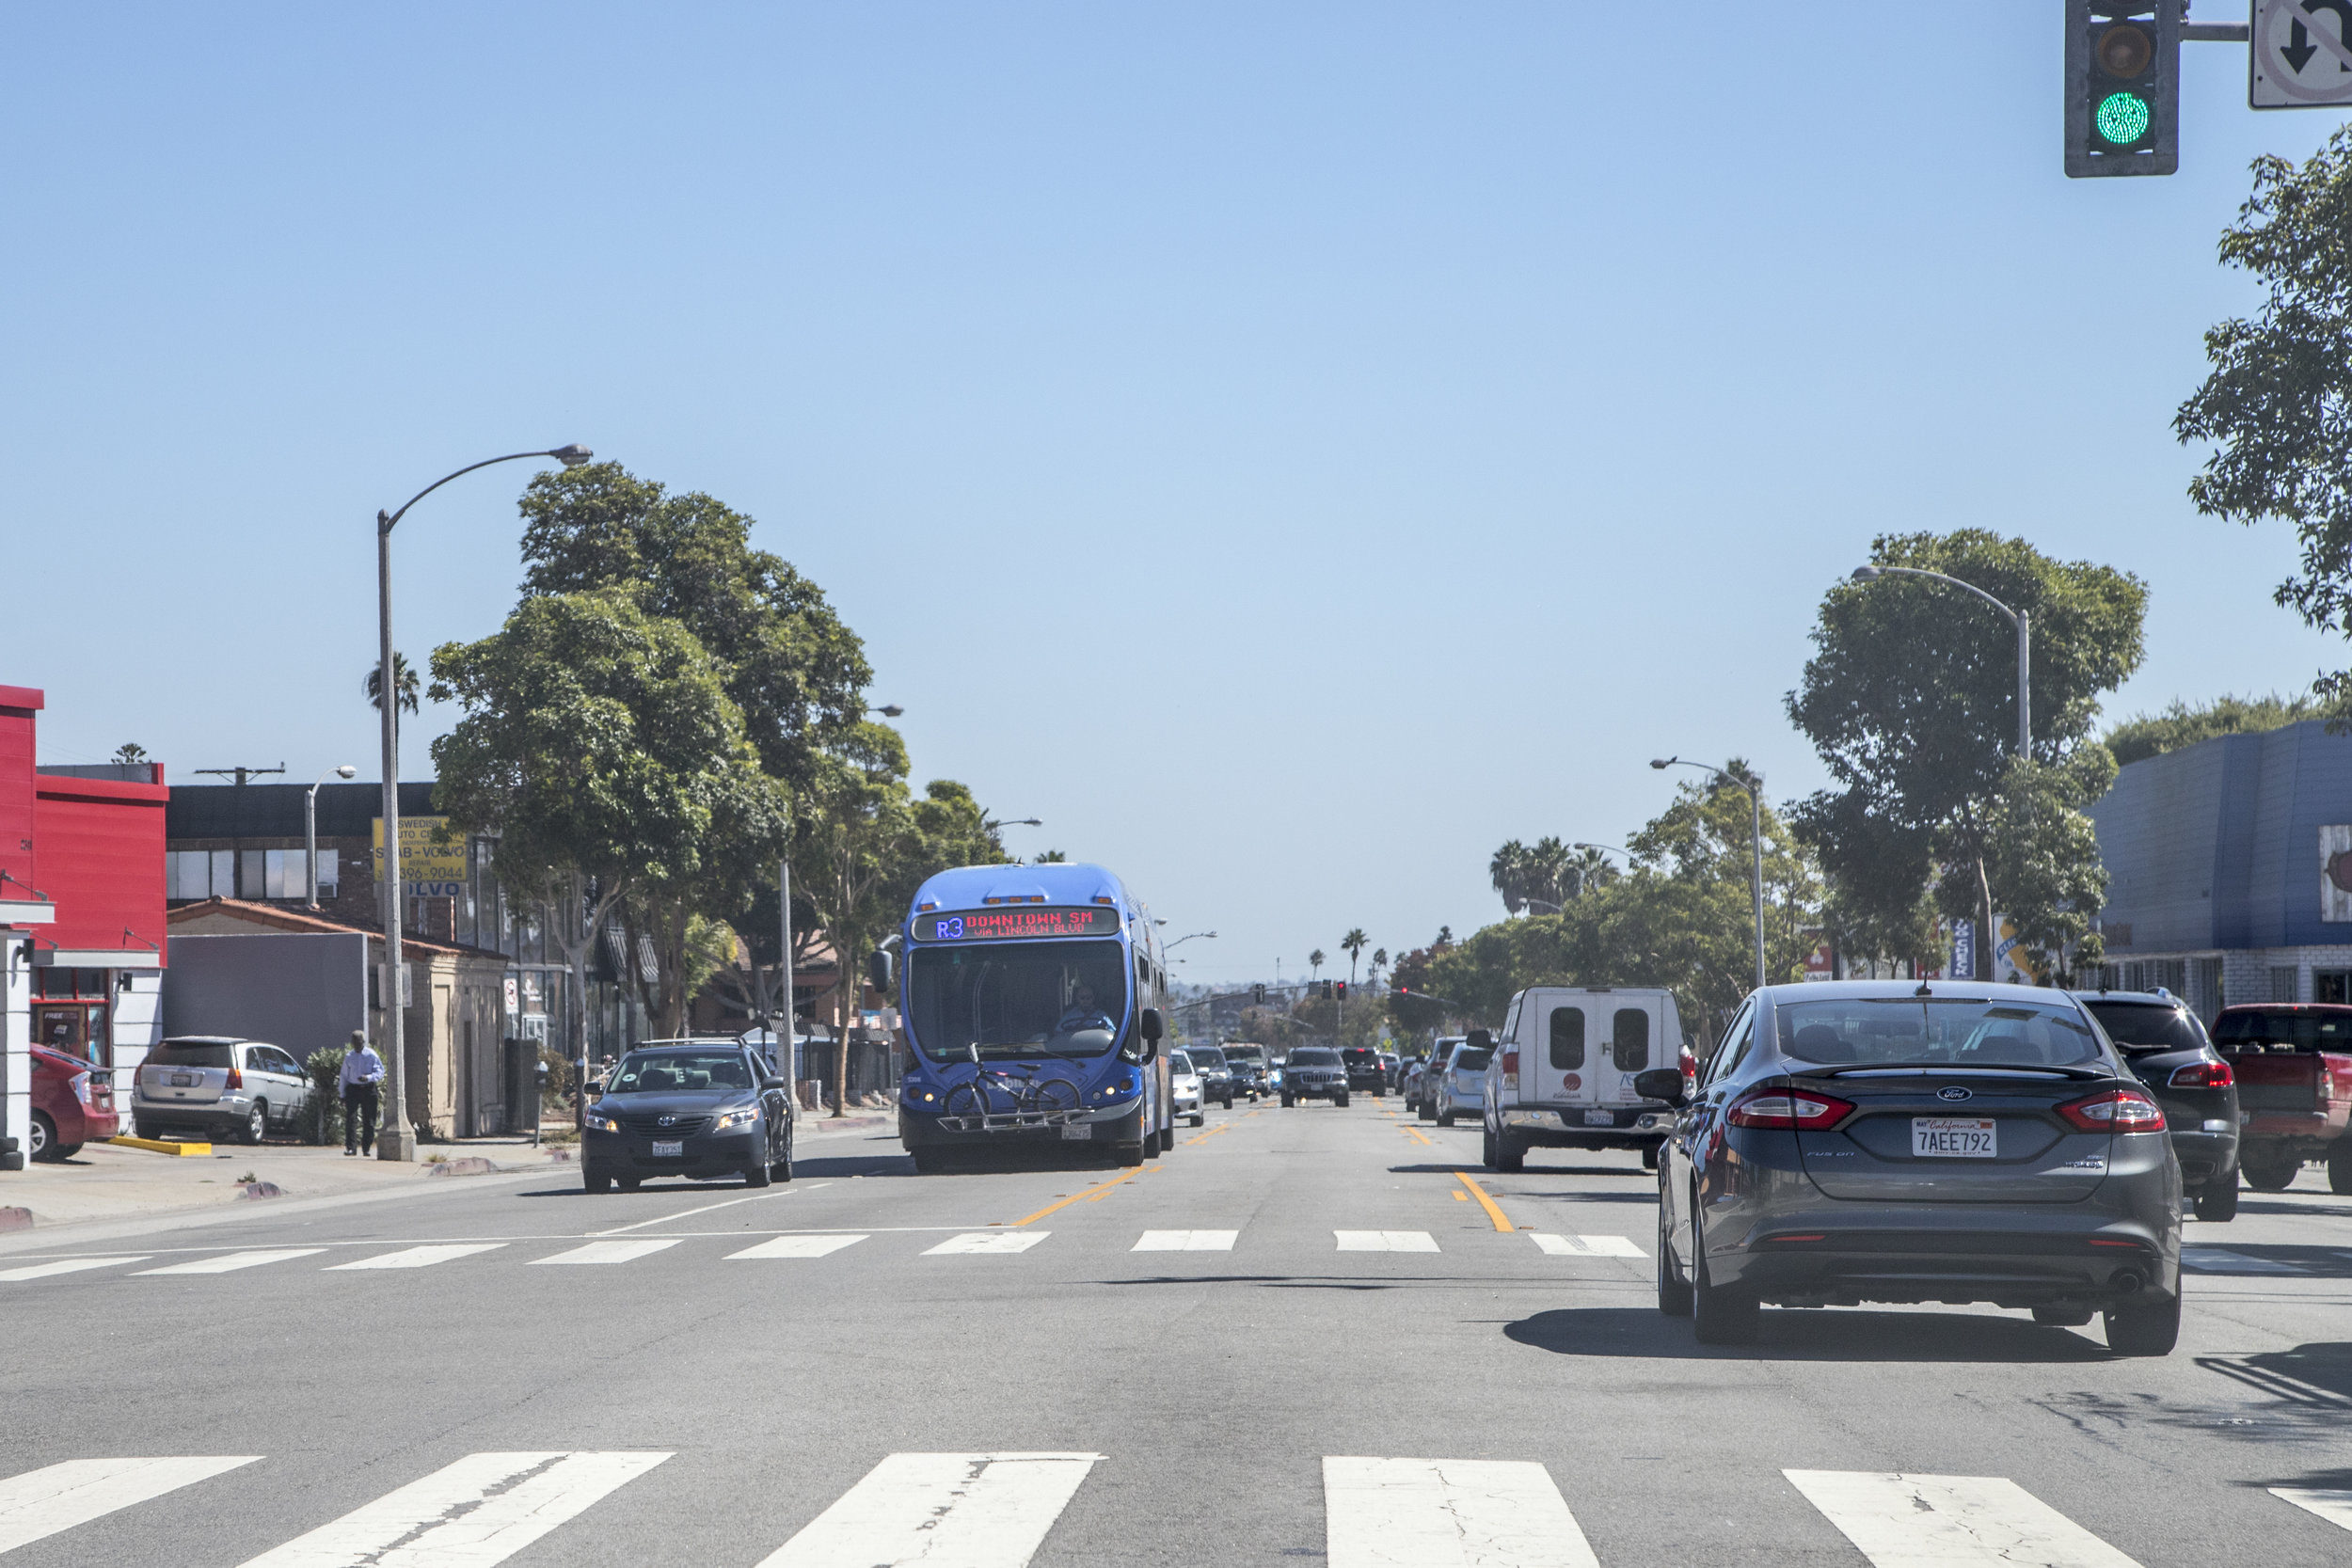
x,y
1554,1044
1636,1026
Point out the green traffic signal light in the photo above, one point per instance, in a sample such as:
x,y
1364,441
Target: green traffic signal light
x,y
2122,117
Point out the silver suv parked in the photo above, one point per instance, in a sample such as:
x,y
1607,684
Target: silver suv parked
x,y
220,1085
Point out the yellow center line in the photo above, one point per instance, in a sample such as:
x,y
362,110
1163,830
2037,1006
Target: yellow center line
x,y
1501,1220
1094,1191
1419,1136
1461,1197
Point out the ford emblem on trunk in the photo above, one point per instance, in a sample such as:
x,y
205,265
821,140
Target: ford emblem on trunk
x,y
1955,1093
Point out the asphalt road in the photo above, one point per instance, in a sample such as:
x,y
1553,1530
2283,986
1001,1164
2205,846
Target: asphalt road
x,y
1258,1389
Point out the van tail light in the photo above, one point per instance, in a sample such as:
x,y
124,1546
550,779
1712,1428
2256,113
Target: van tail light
x,y
1790,1110
2115,1111
236,1079
2202,1075
1510,1064
1685,1060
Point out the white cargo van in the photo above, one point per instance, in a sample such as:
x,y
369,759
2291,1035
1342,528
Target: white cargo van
x,y
1564,1067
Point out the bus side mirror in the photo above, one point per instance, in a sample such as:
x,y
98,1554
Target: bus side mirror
x,y
1149,1025
1481,1039
878,968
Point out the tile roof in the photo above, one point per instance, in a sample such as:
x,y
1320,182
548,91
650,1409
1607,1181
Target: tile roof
x,y
302,920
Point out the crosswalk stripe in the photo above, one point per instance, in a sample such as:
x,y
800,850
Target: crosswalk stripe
x,y
1448,1513
2331,1503
68,1265
988,1240
41,1502
797,1247
1912,1521
941,1510
418,1257
1587,1246
479,1510
612,1252
1386,1240
1186,1240
230,1262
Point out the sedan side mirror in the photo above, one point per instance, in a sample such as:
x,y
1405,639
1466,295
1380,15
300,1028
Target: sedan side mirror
x,y
1662,1082
772,1083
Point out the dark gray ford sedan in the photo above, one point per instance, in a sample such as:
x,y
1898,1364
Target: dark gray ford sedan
x,y
1892,1141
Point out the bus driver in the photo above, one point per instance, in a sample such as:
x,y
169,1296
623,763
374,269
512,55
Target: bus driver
x,y
1082,1013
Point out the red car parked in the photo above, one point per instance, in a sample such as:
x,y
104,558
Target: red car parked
x,y
72,1105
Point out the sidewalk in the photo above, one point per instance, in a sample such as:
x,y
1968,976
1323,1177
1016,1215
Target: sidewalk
x,y
109,1181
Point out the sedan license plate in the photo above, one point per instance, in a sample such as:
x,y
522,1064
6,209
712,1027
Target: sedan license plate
x,y
672,1148
1954,1138
183,1080
1077,1132
1600,1118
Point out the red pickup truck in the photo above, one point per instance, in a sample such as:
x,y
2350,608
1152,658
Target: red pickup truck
x,y
2294,1066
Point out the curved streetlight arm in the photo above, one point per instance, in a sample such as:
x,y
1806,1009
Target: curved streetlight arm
x,y
1166,947
1609,849
1754,786
571,457
2018,618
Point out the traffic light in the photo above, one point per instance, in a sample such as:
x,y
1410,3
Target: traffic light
x,y
1257,994
2122,86
1327,991
1340,986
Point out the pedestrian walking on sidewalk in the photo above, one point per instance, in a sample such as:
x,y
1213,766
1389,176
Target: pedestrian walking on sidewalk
x,y
363,1069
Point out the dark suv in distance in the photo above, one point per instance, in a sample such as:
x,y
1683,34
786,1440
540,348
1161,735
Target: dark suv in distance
x,y
1365,1070
1878,1140
2169,1050
1314,1072
1217,1074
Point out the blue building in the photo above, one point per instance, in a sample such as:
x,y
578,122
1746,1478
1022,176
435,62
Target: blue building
x,y
2230,869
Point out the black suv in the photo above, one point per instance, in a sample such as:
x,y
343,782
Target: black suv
x,y
1365,1070
1217,1074
1314,1072
2168,1050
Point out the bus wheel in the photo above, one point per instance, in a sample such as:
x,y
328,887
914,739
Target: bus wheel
x,y
1130,1154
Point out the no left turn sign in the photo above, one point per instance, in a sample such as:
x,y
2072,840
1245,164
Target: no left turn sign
x,y
2302,55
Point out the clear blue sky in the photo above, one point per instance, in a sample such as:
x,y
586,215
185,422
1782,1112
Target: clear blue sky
x,y
1290,448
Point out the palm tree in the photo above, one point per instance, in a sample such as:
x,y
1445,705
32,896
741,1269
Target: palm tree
x,y
1591,869
1508,870
404,682
1355,942
1314,961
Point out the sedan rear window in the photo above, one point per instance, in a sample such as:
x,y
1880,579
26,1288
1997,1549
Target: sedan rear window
x,y
2146,1027
1207,1057
1912,1031
1467,1060
191,1053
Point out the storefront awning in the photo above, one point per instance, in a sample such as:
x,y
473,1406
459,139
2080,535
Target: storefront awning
x,y
28,911
96,957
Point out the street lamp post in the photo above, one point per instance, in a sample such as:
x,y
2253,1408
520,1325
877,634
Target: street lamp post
x,y
1171,946
1755,838
2018,618
397,1139
311,828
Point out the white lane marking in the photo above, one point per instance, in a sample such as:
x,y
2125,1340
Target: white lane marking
x,y
232,1262
1448,1513
797,1247
418,1257
1587,1246
1186,1240
689,1213
988,1240
941,1510
612,1252
2331,1503
69,1265
1912,1521
1386,1240
2220,1260
479,1510
41,1502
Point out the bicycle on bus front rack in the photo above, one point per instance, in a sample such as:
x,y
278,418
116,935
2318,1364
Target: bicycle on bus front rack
x,y
972,1107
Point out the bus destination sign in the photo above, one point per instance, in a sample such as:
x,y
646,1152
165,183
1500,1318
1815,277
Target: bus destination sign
x,y
1017,920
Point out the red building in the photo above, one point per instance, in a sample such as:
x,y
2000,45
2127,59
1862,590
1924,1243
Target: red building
x,y
81,907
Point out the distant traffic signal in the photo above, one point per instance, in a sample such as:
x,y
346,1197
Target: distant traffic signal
x,y
2122,86
1340,986
1327,991
1257,994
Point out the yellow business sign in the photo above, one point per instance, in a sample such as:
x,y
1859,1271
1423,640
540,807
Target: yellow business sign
x,y
432,857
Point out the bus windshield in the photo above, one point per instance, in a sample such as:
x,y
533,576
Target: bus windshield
x,y
1016,1000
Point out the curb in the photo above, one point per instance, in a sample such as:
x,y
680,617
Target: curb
x,y
16,1219
162,1146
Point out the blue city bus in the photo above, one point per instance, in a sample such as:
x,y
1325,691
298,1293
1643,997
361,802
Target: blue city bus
x,y
1033,1000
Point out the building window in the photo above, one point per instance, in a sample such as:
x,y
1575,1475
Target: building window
x,y
2282,983
2331,984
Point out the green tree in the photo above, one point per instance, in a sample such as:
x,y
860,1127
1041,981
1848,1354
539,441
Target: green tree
x,y
600,746
1354,943
2180,724
1314,961
2278,400
129,755
1910,700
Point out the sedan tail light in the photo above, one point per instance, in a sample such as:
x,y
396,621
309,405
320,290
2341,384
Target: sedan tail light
x,y
1790,1110
2202,1075
2115,1111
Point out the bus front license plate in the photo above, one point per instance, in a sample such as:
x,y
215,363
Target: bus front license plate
x,y
1078,1132
1954,1137
673,1149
